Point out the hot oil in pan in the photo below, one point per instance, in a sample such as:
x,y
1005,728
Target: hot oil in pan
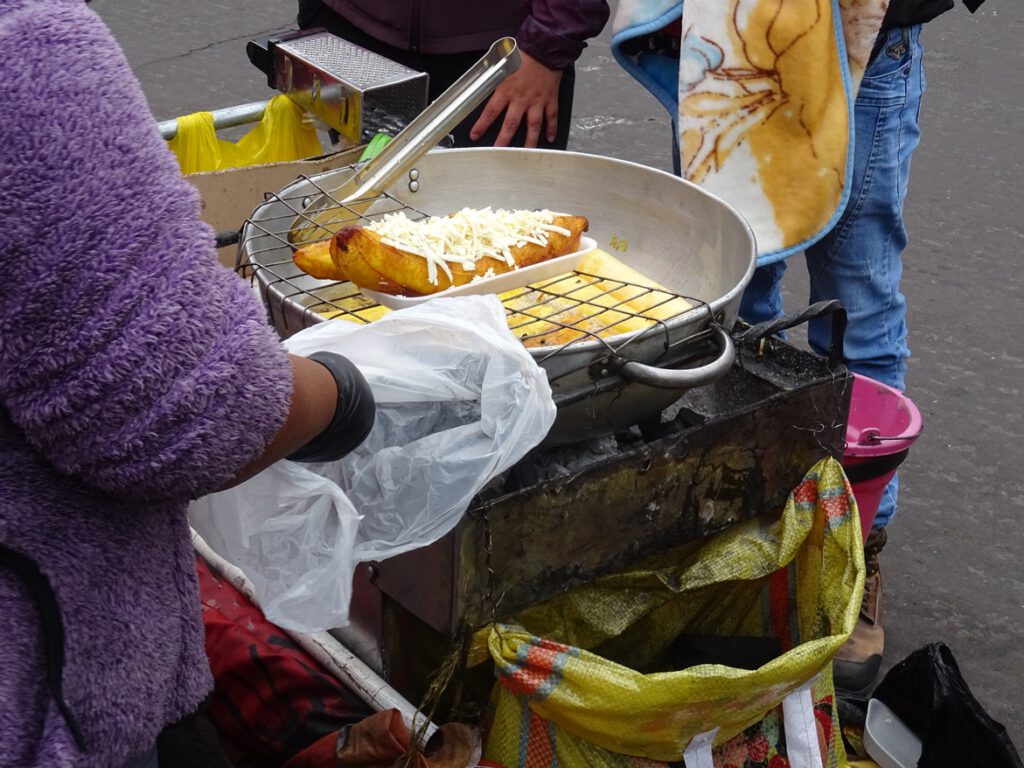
x,y
344,301
604,297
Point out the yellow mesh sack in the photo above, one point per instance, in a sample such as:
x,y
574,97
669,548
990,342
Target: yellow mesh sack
x,y
280,136
565,695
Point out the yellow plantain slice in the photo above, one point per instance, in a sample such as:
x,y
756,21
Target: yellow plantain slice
x,y
372,262
315,260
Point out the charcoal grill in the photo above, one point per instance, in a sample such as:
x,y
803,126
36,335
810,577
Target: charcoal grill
x,y
563,516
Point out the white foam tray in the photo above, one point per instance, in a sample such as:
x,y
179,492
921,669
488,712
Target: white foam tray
x,y
507,281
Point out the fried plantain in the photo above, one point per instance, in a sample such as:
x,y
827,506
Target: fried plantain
x,y
315,260
370,261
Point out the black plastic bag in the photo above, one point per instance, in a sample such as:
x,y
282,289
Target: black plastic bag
x,y
928,693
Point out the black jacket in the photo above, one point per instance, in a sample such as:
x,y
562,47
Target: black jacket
x,y
902,13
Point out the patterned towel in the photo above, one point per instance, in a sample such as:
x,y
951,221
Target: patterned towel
x,y
762,97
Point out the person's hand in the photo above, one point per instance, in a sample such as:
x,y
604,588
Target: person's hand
x,y
530,93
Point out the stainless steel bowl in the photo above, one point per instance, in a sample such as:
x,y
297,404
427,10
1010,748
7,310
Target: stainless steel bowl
x,y
672,231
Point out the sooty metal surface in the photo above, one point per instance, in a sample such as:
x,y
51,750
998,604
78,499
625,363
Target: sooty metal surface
x,y
564,516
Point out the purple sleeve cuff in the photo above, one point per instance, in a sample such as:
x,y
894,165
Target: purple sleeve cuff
x,y
555,31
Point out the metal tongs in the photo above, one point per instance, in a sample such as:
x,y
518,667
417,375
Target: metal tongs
x,y
348,201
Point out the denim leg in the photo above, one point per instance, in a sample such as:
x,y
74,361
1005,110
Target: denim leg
x,y
762,299
860,261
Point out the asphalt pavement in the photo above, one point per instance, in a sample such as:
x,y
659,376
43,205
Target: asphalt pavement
x,y
952,569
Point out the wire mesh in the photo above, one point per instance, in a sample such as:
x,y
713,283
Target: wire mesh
x,y
552,314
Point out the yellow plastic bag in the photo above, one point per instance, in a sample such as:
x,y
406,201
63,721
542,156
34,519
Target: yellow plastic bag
x,y
280,136
562,699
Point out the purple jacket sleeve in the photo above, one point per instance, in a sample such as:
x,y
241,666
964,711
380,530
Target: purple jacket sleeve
x,y
556,31
128,357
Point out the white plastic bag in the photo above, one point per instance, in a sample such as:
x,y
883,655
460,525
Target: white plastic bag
x,y
459,400
291,532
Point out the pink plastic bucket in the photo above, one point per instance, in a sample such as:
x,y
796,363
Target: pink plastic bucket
x,y
882,425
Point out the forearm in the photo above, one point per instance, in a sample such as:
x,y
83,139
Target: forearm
x,y
313,402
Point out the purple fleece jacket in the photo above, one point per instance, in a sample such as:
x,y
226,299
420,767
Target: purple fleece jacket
x,y
135,374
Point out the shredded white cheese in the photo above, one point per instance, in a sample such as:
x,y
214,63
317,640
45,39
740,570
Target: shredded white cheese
x,y
467,236
485,276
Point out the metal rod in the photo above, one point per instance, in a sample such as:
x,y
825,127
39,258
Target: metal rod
x,y
229,117
348,668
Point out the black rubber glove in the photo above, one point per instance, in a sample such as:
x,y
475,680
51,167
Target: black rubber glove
x,y
353,417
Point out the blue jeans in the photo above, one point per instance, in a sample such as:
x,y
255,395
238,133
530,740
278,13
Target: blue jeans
x,y
859,262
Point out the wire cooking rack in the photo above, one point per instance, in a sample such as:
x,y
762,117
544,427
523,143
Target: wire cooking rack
x,y
550,316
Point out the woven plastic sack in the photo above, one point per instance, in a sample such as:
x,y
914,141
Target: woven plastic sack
x,y
281,135
565,695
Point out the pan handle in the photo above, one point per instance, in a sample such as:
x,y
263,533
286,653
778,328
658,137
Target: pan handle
x,y
685,378
819,309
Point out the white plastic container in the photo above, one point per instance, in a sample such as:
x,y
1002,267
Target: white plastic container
x,y
888,740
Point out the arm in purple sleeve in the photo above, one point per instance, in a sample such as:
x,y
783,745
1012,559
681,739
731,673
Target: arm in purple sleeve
x,y
128,357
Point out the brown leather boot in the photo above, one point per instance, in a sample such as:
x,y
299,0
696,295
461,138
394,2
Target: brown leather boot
x,y
858,661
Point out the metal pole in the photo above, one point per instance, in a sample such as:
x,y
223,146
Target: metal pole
x,y
229,117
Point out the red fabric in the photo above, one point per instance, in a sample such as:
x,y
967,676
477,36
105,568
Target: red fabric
x,y
271,700
321,754
781,607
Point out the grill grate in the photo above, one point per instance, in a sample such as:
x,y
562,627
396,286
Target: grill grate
x,y
583,305
553,314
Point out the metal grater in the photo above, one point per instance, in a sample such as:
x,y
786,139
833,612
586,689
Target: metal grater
x,y
355,91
